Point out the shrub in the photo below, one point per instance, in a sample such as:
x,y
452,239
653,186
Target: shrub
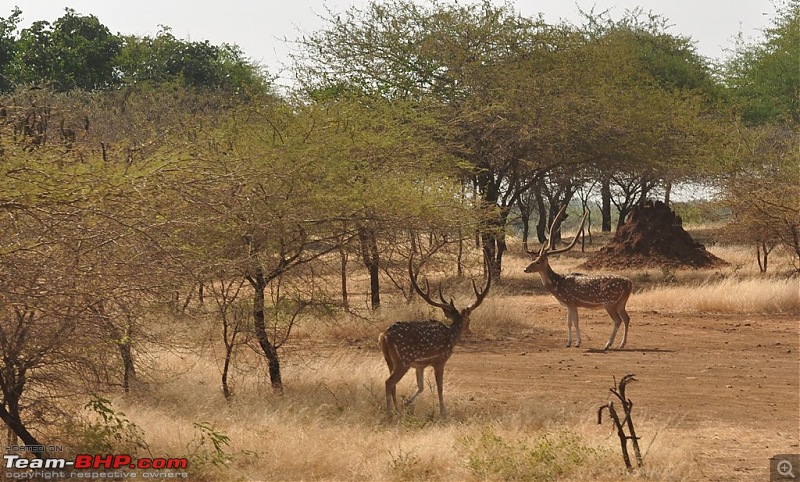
x,y
547,456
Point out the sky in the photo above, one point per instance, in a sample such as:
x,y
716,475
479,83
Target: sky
x,y
264,29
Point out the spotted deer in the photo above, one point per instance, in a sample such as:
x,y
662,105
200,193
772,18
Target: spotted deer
x,y
420,344
580,290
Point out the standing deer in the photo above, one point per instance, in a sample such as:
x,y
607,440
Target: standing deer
x,y
580,290
420,344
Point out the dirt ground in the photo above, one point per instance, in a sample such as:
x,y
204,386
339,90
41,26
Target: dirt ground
x,y
731,381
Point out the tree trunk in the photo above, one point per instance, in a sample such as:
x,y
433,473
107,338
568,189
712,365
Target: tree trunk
x,y
493,247
494,242
555,234
645,190
762,253
460,254
605,207
667,192
259,284
229,344
9,414
343,256
525,217
126,353
623,213
226,391
541,225
371,257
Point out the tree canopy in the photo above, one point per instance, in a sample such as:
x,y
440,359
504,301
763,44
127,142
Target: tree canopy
x,y
79,52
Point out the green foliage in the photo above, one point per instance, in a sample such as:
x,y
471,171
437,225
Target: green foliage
x,y
660,58
406,465
548,456
764,78
112,432
8,47
75,52
78,52
165,59
209,446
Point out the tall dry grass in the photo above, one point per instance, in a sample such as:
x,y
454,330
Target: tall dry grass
x,y
331,426
728,295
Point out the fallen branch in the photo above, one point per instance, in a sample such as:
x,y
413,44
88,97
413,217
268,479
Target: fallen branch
x,y
619,391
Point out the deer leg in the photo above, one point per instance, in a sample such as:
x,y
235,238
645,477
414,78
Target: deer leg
x,y
438,372
627,320
612,312
391,387
569,327
572,319
420,386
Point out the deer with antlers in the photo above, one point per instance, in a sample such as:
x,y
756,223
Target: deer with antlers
x,y
420,344
580,290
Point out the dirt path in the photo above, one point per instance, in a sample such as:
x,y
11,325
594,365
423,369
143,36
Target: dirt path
x,y
732,381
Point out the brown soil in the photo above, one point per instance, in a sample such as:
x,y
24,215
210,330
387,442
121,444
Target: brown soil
x,y
729,384
731,381
653,236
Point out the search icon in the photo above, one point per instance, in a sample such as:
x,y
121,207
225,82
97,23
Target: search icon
x,y
785,469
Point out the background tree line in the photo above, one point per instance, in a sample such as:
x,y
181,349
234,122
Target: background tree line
x,y
139,169
79,52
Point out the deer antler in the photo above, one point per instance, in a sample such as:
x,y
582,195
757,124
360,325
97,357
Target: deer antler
x,y
546,246
574,240
444,305
480,295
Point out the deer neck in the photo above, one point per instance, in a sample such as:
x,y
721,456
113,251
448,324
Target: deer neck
x,y
456,328
550,279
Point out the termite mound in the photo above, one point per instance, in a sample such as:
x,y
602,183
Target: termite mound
x,y
653,236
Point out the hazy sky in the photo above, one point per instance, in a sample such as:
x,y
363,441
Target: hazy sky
x,y
260,27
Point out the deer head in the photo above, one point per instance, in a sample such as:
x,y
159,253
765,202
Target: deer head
x,y
458,317
540,262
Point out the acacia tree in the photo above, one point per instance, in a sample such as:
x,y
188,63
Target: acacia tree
x,y
74,252
83,256
482,71
514,98
762,78
761,188
268,191
762,192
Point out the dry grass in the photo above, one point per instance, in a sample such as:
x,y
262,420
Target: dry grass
x,y
729,295
331,425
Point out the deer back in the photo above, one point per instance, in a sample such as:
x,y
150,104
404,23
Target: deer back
x,y
423,341
578,288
